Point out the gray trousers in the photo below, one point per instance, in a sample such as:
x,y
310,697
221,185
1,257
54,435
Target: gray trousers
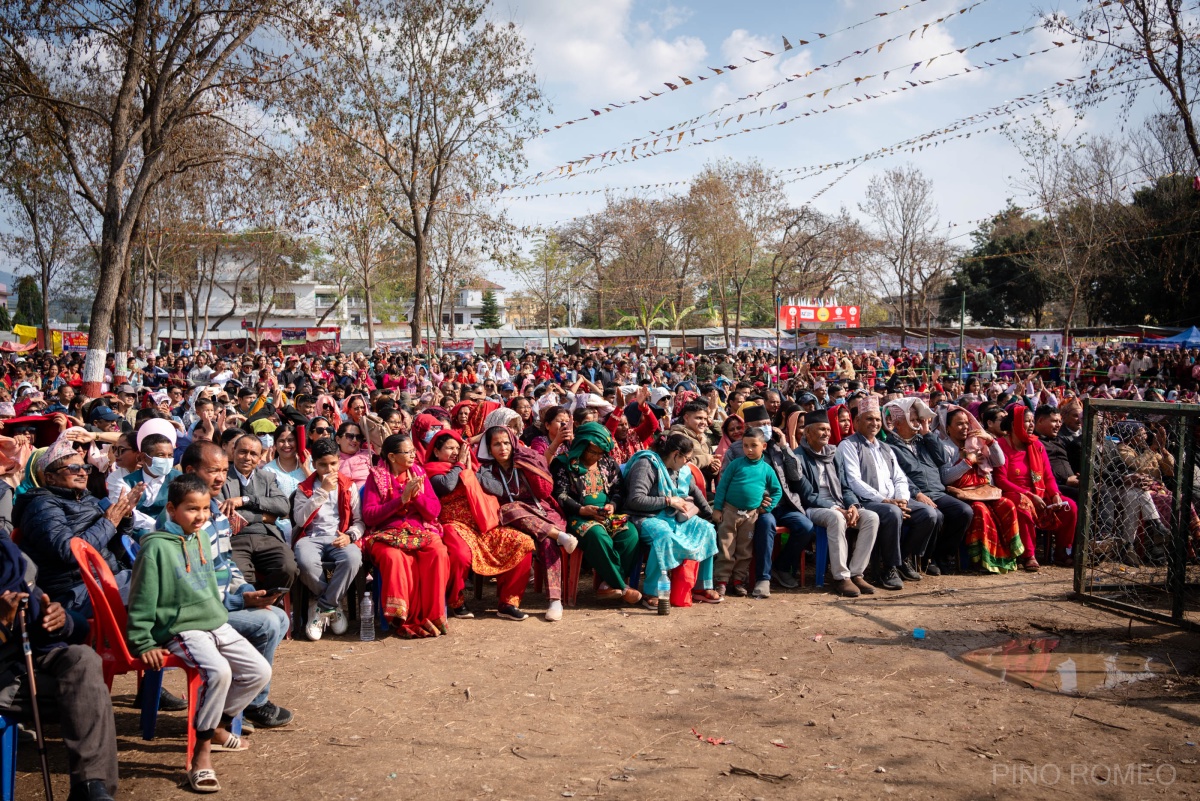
x,y
311,552
232,670
835,532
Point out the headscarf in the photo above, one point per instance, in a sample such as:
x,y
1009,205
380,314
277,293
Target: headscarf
x,y
587,434
458,407
476,423
683,398
522,456
726,441
1128,430
835,429
31,479
500,417
346,408
905,405
424,429
973,444
1017,412
484,508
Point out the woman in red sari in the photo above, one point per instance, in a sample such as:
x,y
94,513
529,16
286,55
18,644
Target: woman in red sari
x,y
970,457
1027,480
404,541
460,415
472,532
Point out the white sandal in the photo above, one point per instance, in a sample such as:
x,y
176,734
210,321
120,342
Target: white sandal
x,y
204,780
232,743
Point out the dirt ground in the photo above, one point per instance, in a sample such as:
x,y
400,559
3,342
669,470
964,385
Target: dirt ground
x,y
813,696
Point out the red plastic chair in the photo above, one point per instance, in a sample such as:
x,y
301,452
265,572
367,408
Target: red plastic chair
x,y
108,635
571,565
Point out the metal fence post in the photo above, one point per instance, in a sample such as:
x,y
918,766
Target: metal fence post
x,y
1177,556
1081,549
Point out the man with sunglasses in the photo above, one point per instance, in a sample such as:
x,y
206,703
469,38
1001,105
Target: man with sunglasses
x,y
61,509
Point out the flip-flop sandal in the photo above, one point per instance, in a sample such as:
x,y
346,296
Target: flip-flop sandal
x,y
645,602
701,598
232,743
204,781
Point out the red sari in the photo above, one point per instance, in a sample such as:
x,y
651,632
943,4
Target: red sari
x,y
474,538
404,541
1026,472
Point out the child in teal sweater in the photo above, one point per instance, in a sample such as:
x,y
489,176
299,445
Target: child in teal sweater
x,y
174,607
748,487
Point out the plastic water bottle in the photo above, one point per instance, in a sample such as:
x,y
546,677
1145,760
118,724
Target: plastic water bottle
x,y
366,618
664,594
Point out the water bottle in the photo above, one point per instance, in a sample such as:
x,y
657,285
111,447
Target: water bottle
x,y
366,618
664,594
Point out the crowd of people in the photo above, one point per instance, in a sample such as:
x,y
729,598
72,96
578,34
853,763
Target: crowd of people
x,y
212,486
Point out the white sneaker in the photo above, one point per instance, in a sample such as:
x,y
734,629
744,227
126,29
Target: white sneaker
x,y
315,626
762,589
554,613
568,542
338,623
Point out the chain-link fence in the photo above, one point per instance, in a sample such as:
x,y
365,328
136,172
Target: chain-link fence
x,y
1137,547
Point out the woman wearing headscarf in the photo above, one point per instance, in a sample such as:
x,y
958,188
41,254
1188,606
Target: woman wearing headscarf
x,y
731,432
670,511
587,486
504,417
472,532
404,541
460,416
424,428
354,457
841,424
971,455
1027,479
518,478
1146,500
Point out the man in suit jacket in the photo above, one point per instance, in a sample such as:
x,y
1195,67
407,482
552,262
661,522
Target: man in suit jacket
x,y
829,502
253,501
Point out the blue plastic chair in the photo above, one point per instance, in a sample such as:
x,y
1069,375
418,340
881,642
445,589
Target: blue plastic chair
x,y
822,559
131,547
8,757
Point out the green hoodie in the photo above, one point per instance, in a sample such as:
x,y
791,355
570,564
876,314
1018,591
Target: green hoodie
x,y
174,589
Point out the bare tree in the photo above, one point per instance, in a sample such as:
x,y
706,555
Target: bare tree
x,y
424,96
1141,43
544,278
114,87
913,258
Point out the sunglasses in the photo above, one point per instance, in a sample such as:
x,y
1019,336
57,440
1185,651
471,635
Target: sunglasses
x,y
75,469
321,430
348,435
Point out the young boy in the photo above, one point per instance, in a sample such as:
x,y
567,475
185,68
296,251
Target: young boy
x,y
748,487
328,518
174,606
157,471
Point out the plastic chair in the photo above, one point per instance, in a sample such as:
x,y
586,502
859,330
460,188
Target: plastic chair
x,y
131,547
571,565
108,627
8,757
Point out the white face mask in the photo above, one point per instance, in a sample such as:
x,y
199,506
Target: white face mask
x,y
766,432
160,466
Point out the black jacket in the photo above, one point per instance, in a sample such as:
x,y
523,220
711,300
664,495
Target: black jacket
x,y
923,468
811,495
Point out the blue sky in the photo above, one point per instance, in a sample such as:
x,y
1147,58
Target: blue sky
x,y
595,52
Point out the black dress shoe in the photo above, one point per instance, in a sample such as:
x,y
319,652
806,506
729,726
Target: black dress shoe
x,y
170,702
89,791
932,569
907,571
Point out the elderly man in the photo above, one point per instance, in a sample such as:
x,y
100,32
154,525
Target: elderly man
x,y
905,525
921,457
253,501
830,503
71,675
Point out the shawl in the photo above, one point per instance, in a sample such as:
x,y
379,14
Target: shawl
x,y
477,423
346,408
458,407
681,399
484,508
424,429
523,457
1032,445
668,487
726,441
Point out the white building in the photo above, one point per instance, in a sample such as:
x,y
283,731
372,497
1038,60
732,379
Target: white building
x,y
468,304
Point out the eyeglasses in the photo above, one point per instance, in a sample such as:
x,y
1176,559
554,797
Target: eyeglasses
x,y
118,452
76,468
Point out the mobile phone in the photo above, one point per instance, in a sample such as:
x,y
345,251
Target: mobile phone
x,y
279,591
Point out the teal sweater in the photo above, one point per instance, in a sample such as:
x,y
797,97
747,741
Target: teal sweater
x,y
743,484
173,589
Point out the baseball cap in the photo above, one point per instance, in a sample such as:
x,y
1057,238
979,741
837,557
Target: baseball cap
x,y
102,412
126,389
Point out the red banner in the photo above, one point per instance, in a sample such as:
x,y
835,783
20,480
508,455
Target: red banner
x,y
841,316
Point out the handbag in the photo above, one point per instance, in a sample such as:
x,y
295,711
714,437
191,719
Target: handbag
x,y
981,493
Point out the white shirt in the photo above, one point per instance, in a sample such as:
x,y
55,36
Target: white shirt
x,y
893,484
141,520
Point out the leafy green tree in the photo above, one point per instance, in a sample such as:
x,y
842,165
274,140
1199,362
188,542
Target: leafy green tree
x,y
1004,287
489,312
5,322
29,301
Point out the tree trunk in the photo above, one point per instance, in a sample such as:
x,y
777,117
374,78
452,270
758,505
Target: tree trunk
x,y
419,259
112,258
370,315
154,309
737,337
599,296
121,315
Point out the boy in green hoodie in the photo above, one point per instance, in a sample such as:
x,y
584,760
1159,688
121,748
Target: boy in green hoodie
x,y
748,487
174,607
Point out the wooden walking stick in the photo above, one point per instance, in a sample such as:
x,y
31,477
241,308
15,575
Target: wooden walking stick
x,y
37,715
